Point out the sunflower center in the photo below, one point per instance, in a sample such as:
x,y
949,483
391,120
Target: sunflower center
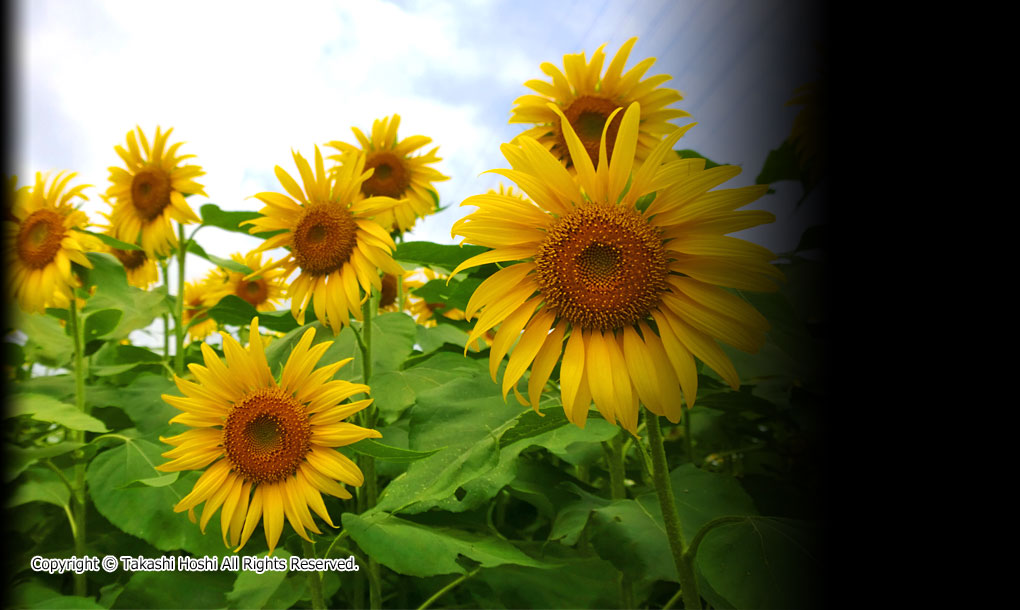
x,y
602,266
324,239
388,294
39,238
267,435
255,291
587,115
131,259
390,177
150,192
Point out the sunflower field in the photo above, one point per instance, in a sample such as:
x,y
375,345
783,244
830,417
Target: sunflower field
x,y
599,398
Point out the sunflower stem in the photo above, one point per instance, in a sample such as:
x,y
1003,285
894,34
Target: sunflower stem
x,y
664,489
314,578
179,322
447,588
78,495
165,268
614,459
368,308
688,441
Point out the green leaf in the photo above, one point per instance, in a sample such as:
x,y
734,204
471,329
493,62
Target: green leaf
x,y
165,589
419,550
445,257
142,401
762,562
46,408
213,216
781,164
234,310
100,323
20,458
47,342
39,484
579,582
226,263
634,539
690,154
379,451
110,241
31,594
139,307
254,590
143,510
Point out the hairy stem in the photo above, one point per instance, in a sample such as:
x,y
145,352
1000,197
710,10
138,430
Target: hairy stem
x,y
664,489
314,578
179,322
78,491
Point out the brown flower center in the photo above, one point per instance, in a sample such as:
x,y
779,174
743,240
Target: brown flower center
x,y
388,295
587,115
324,239
602,266
267,435
255,292
131,259
150,192
39,238
390,178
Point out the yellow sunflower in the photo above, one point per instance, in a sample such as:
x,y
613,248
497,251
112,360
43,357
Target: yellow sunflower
x,y
587,98
331,237
41,241
141,270
397,173
634,288
267,445
150,192
263,292
198,299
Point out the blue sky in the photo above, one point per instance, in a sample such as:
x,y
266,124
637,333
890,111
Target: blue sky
x,y
244,83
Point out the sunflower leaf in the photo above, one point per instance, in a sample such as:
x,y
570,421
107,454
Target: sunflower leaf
x,y
687,153
39,484
433,255
48,409
387,453
232,309
109,241
226,263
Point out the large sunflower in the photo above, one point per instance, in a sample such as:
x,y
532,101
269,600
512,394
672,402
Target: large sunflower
x,y
150,192
634,288
331,237
587,97
41,241
263,292
397,174
270,442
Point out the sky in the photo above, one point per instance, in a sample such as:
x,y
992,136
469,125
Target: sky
x,y
245,83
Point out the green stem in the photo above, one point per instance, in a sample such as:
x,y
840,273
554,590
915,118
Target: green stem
x,y
447,588
78,492
165,268
314,578
368,463
688,441
179,327
614,459
664,489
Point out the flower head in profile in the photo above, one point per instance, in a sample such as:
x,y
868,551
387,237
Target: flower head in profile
x,y
263,292
334,244
398,172
149,192
141,270
587,97
41,241
266,445
622,292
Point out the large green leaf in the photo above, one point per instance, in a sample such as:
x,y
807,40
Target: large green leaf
x,y
46,408
143,510
142,401
176,589
139,307
444,257
271,589
419,550
20,458
213,216
32,594
47,342
762,562
388,453
578,582
39,484
234,310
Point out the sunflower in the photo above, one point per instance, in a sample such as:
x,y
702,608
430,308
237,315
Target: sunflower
x,y
41,241
150,192
397,174
141,270
198,299
635,288
587,98
263,292
266,445
331,237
